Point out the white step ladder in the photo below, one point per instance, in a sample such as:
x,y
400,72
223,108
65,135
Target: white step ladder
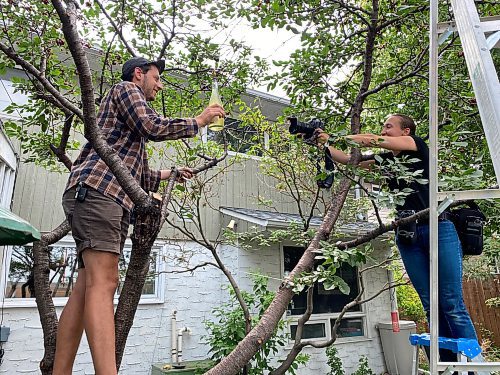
x,y
478,37
472,31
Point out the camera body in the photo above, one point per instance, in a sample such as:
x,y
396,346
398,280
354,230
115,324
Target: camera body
x,y
306,128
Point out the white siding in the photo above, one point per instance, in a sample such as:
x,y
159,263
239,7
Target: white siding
x,y
193,296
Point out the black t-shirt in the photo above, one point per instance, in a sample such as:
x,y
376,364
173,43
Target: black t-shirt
x,y
419,199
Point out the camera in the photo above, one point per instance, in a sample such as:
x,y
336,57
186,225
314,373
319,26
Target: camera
x,y
306,128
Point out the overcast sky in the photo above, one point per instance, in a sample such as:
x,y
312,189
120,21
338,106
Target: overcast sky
x,y
266,43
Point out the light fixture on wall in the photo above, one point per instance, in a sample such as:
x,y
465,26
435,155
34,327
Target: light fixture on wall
x,y
232,224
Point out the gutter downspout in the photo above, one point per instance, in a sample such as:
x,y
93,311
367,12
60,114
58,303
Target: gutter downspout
x,y
179,346
174,338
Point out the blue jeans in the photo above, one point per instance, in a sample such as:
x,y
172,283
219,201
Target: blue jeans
x,y
454,319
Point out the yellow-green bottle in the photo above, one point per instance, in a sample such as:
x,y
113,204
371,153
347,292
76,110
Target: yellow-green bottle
x,y
217,123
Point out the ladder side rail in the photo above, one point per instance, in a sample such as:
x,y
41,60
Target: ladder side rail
x,y
487,91
433,183
482,73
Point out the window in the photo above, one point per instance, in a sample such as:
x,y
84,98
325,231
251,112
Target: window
x,y
7,177
63,272
311,330
8,95
240,138
326,304
19,284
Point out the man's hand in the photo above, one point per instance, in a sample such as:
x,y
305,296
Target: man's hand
x,y
184,174
208,114
320,136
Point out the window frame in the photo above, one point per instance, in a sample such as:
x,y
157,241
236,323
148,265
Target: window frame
x,y
325,318
204,139
67,241
8,169
7,178
8,95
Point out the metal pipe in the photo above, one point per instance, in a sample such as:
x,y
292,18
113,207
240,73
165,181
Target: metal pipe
x,y
174,337
394,302
179,345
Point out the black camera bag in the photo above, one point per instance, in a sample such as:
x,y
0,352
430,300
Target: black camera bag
x,y
469,222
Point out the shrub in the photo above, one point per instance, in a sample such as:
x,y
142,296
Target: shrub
x,y
363,368
409,305
334,361
228,329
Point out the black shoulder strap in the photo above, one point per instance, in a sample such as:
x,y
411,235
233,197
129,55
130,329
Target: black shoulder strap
x,y
472,205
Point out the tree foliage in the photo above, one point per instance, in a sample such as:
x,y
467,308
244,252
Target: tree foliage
x,y
358,61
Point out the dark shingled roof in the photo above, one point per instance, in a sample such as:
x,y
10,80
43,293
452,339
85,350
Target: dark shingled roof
x,y
271,219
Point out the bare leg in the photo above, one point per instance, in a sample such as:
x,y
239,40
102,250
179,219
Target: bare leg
x,y
101,282
70,329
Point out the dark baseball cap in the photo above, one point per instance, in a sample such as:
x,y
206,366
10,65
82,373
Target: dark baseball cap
x,y
137,62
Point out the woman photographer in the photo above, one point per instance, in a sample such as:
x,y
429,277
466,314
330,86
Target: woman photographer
x,y
398,137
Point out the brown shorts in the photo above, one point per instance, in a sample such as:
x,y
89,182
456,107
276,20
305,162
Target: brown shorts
x,y
97,223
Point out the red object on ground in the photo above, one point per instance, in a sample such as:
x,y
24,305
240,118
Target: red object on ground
x,y
395,321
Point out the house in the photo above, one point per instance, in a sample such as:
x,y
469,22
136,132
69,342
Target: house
x,y
9,158
190,296
8,166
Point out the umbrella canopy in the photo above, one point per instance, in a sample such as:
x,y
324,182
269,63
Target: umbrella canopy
x,y
15,230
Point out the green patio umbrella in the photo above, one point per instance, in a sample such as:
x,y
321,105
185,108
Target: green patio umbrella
x,y
15,230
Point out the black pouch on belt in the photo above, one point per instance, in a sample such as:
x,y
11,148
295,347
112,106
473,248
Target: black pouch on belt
x,y
81,192
407,233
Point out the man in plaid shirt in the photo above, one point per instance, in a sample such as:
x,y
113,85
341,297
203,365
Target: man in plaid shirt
x,y
98,209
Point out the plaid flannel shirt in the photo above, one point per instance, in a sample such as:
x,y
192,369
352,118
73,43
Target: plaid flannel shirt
x,y
127,123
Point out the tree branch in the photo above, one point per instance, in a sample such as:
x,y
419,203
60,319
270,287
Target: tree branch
x,y
297,345
388,227
60,151
192,269
117,29
29,68
130,185
43,295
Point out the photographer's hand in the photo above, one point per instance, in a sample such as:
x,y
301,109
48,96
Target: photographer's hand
x,y
320,136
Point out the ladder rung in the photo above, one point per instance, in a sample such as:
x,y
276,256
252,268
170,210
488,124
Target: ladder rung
x,y
488,24
464,366
469,194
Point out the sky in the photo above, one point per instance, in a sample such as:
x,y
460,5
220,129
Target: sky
x,y
270,45
266,43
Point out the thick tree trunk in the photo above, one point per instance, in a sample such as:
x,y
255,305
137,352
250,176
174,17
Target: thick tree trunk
x,y
44,302
146,229
247,348
68,15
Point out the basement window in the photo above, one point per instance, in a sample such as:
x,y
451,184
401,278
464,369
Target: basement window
x,y
327,304
18,284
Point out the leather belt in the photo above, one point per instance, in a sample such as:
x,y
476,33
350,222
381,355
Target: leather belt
x,y
446,215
